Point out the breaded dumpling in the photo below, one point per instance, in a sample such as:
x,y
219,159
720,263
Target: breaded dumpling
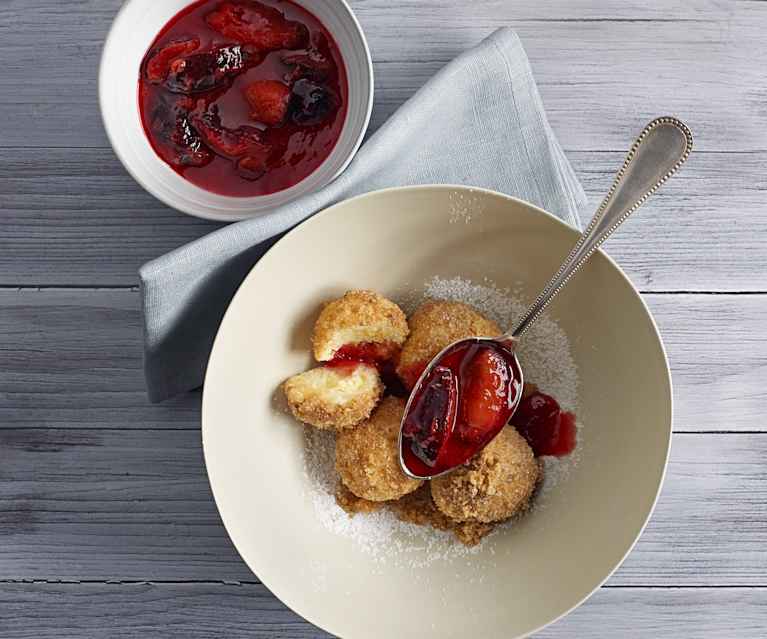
x,y
367,457
433,326
334,396
494,485
418,508
358,317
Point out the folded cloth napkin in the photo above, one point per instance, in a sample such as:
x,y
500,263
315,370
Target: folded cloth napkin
x,y
479,121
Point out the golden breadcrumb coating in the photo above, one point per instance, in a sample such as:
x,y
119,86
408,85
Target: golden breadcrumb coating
x,y
415,508
435,325
418,508
357,317
352,504
367,457
334,397
494,485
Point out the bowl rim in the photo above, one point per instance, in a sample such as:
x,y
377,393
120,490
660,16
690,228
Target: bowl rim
x,y
468,189
232,216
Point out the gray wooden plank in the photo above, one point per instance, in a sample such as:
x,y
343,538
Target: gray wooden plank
x,y
136,505
717,387
188,611
72,359
109,504
192,611
603,68
638,613
76,217
709,525
702,231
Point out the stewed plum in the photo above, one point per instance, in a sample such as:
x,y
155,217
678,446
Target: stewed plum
x,y
269,101
178,142
201,72
257,24
310,64
158,61
312,103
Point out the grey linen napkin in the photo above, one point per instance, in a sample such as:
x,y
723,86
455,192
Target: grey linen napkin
x,y
479,121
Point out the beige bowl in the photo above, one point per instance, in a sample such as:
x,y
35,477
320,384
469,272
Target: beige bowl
x,y
527,575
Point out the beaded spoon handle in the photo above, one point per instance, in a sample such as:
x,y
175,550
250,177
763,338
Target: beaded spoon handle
x,y
659,151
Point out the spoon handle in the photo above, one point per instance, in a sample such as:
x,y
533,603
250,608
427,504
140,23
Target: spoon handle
x,y
661,148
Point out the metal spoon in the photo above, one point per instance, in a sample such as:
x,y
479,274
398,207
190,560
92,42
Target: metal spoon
x,y
661,148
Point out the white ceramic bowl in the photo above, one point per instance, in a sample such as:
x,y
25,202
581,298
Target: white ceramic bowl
x,y
135,28
525,576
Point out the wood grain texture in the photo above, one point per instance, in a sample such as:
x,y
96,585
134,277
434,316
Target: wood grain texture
x,y
76,217
73,216
72,359
96,484
184,611
136,505
110,504
603,67
200,611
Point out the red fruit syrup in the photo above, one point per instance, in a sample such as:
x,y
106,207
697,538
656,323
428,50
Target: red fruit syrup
x,y
464,402
382,355
547,428
243,97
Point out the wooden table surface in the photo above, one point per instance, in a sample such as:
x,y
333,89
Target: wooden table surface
x,y
107,525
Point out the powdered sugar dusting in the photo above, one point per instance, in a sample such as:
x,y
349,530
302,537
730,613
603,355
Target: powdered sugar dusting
x,y
379,534
546,360
464,206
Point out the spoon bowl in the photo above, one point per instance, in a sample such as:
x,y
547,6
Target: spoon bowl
x,y
418,468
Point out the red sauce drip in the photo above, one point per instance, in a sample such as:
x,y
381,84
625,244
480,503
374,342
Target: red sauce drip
x,y
283,154
462,405
371,352
382,355
547,428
